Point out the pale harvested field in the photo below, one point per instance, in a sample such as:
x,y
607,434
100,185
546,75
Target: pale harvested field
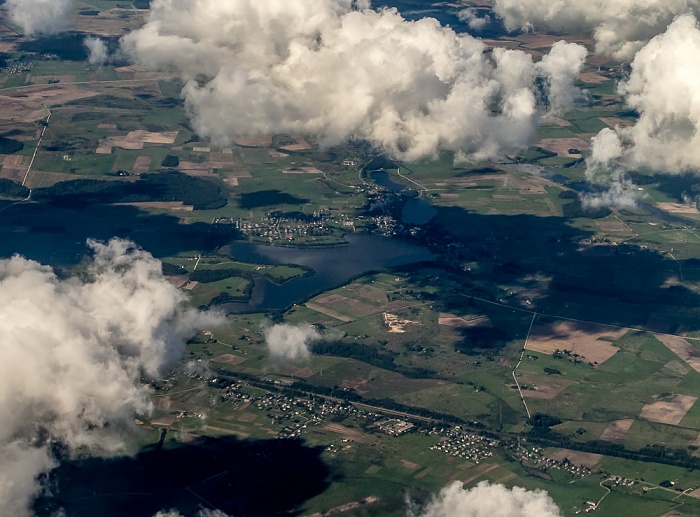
x,y
592,78
20,110
682,348
578,338
160,205
346,305
253,141
301,145
201,149
584,459
276,154
615,121
451,320
696,443
142,164
229,359
37,179
332,298
479,471
135,140
539,41
232,182
409,465
177,281
14,160
616,431
557,121
221,157
139,73
597,59
328,312
13,173
561,146
544,390
302,170
373,294
345,432
27,104
613,226
110,125
501,43
668,412
678,208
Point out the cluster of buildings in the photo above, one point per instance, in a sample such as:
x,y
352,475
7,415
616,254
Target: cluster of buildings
x,y
463,444
534,456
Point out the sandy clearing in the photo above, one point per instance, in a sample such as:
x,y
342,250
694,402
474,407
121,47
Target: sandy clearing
x,y
682,348
396,324
616,431
668,412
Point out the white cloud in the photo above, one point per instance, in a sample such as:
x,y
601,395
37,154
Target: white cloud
x,y
40,16
664,88
326,68
485,500
289,343
98,54
620,27
74,353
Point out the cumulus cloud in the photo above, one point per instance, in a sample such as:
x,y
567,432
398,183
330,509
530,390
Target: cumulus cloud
x,y
620,27
98,53
74,353
664,89
474,21
485,500
40,16
289,343
338,70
